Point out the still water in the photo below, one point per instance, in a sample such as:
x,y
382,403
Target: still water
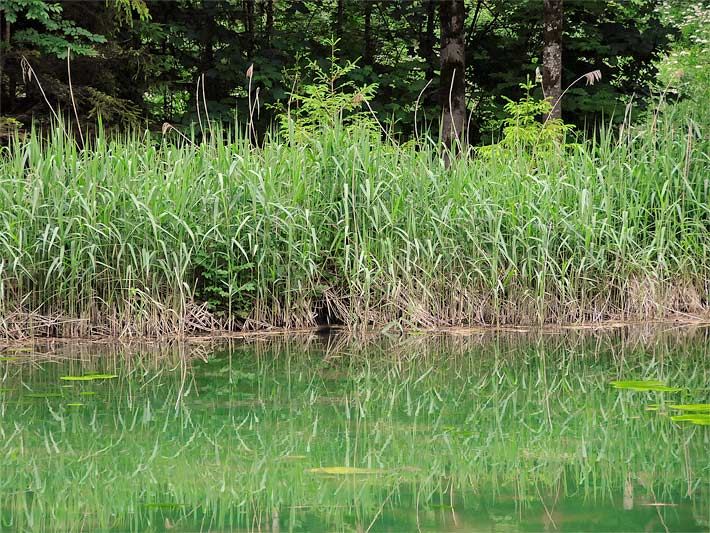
x,y
496,433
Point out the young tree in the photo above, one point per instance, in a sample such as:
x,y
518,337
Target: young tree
x,y
552,54
452,94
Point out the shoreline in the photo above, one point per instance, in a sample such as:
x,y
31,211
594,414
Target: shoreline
x,y
674,322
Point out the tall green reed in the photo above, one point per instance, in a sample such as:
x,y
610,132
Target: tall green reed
x,y
138,234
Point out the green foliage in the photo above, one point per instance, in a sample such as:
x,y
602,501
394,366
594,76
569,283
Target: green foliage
x,y
151,52
684,73
111,108
126,8
370,232
223,285
527,128
56,34
326,99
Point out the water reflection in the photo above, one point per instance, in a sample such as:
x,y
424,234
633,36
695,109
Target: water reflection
x,y
496,432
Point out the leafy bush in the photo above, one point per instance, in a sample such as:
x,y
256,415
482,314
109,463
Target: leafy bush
x,y
527,127
329,99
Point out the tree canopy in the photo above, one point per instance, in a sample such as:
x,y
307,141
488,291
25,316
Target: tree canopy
x,y
139,61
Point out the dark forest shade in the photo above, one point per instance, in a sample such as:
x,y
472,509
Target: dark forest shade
x,y
453,70
138,62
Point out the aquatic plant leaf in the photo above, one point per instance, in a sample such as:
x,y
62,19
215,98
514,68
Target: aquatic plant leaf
x,y
701,419
88,377
344,470
44,395
644,386
75,404
702,407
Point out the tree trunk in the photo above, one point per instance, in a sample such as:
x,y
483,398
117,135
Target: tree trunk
x,y
269,21
427,40
552,55
452,92
249,26
5,32
368,52
338,22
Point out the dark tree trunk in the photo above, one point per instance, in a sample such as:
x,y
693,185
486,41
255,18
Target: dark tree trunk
x,y
368,52
427,39
249,26
452,92
10,96
269,21
338,22
552,55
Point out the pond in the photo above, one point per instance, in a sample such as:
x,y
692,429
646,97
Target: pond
x,y
491,432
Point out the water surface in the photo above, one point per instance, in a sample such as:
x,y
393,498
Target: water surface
x,y
497,432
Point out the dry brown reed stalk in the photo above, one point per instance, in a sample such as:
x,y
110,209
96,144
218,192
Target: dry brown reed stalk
x,y
28,73
158,321
73,101
252,130
204,104
197,104
416,109
451,112
591,78
374,116
169,127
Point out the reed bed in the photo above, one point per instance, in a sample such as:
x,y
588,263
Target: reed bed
x,y
142,235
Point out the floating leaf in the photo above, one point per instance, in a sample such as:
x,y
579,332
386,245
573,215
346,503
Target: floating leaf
x,y
44,395
75,404
643,386
703,407
87,393
344,470
701,419
88,377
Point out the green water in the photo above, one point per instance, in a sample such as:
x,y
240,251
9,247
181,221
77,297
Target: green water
x,y
498,433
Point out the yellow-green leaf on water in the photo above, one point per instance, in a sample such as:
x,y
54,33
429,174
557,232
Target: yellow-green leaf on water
x,y
701,407
75,404
87,393
643,386
88,377
701,419
344,470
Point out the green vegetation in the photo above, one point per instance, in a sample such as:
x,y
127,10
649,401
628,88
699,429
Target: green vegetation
x,y
328,213
336,435
141,235
143,61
